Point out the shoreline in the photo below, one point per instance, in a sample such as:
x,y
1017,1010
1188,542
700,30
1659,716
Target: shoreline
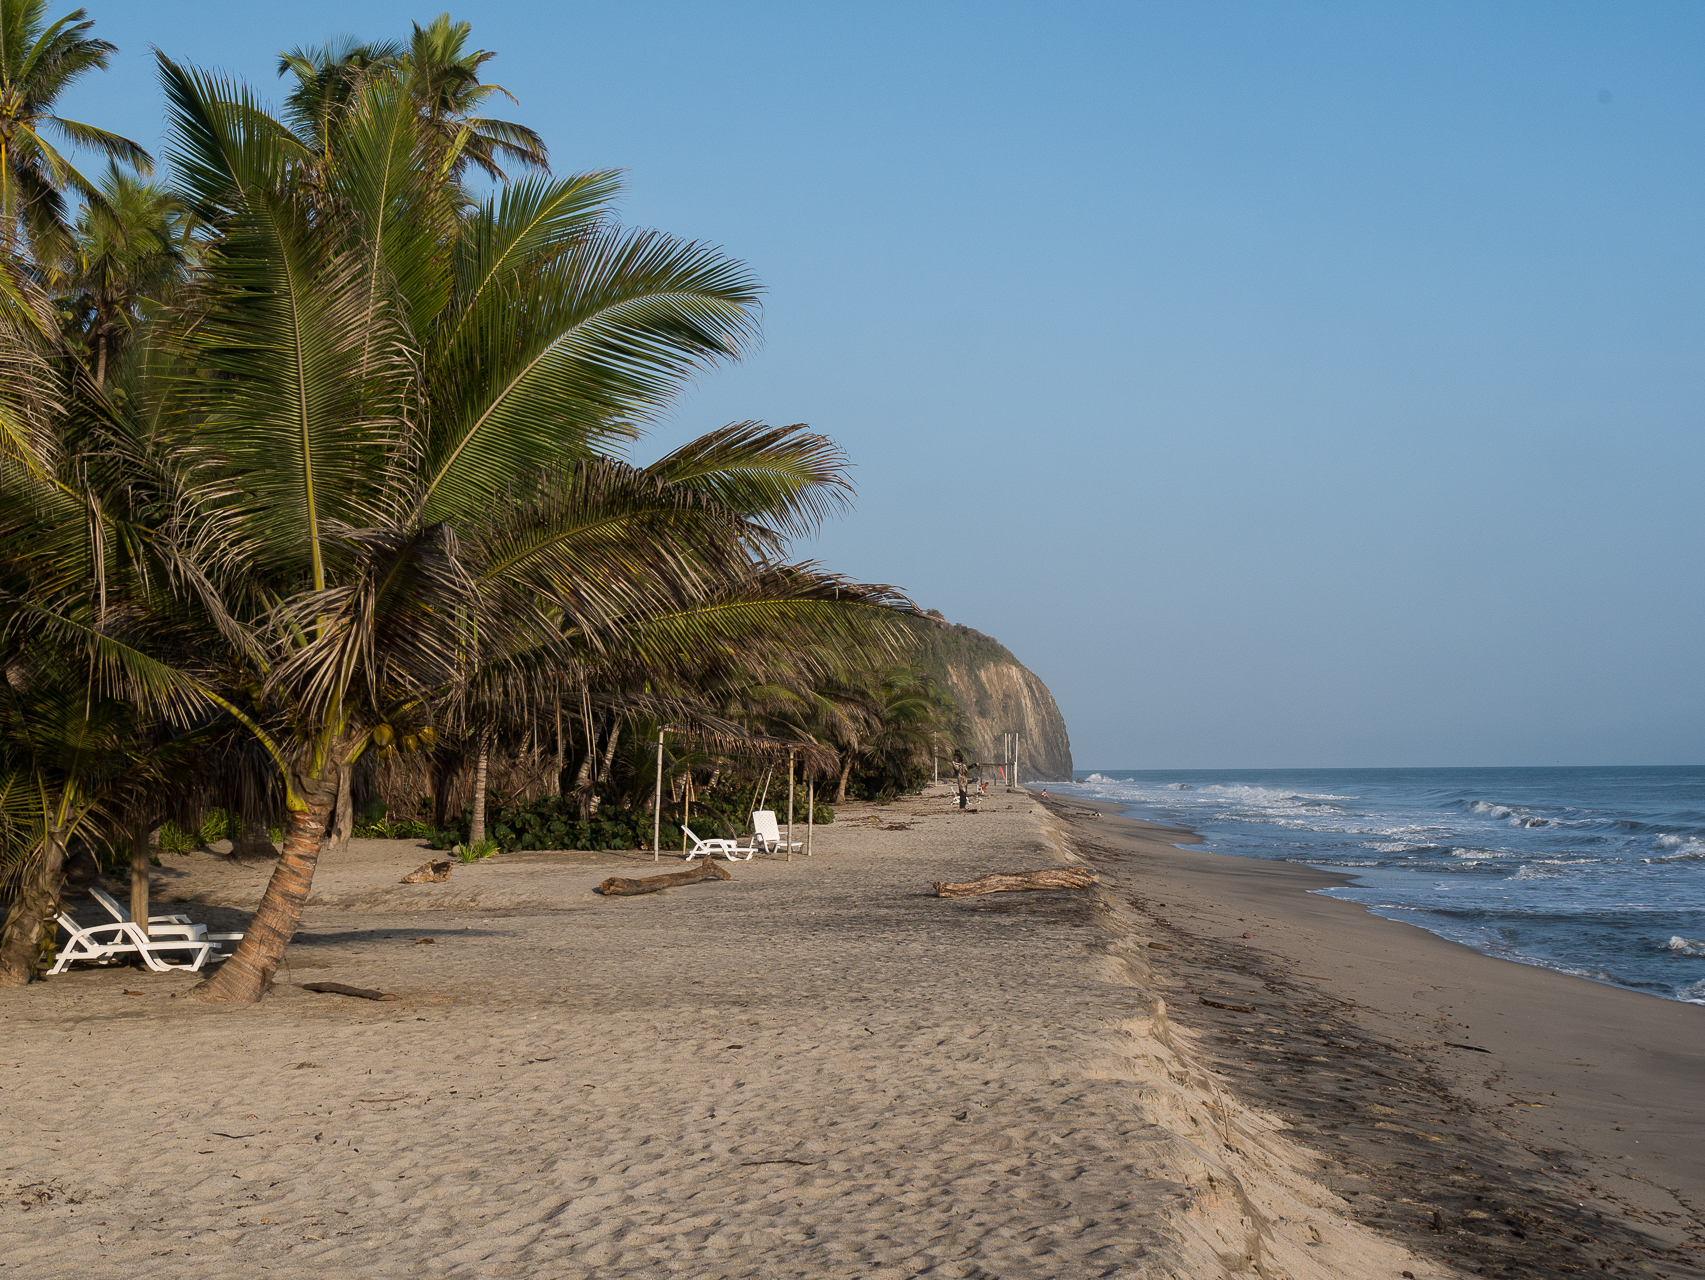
x,y
1572,1120
1580,870
815,1069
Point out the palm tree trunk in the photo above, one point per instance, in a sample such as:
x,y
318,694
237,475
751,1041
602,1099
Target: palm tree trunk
x,y
27,943
603,773
443,774
583,785
247,975
556,778
101,359
343,815
846,772
140,856
476,827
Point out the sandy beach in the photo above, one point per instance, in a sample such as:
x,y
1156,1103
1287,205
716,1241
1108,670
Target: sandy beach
x,y
1500,1117
814,1069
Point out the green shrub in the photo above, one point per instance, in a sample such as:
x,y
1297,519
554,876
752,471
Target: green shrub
x,y
550,822
406,829
216,824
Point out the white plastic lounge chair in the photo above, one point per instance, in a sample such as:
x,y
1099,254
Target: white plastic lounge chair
x,y
161,927
158,926
715,848
769,834
104,943
100,943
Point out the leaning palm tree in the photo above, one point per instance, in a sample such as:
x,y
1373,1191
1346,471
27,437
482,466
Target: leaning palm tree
x,y
68,763
375,475
39,61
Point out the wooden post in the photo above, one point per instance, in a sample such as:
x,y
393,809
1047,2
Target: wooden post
x,y
790,804
1015,761
810,812
139,855
657,801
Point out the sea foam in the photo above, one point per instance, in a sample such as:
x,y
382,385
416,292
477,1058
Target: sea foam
x,y
1692,993
1586,871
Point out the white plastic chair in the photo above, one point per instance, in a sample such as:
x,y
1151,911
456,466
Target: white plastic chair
x,y
104,943
717,847
161,927
99,943
769,833
158,926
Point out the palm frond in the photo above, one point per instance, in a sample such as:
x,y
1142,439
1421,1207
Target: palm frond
x,y
401,220
107,143
556,361
227,153
311,364
787,477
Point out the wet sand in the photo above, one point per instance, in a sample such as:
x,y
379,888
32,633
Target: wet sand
x,y
1503,1118
814,1069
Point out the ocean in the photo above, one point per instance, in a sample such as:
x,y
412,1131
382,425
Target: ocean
x,y
1597,872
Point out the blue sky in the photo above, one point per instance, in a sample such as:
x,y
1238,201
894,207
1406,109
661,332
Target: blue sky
x,y
1285,384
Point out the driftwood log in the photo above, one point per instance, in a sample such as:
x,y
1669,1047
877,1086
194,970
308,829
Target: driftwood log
x,y
1018,882
428,873
1235,1008
619,887
343,989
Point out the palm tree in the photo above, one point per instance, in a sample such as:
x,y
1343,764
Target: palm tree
x,y
354,486
389,460
882,720
39,61
328,78
912,718
131,251
61,755
85,717
443,78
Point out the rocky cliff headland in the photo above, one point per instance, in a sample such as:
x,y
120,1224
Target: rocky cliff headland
x,y
998,695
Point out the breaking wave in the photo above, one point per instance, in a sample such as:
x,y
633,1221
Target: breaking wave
x,y
1692,993
1573,869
